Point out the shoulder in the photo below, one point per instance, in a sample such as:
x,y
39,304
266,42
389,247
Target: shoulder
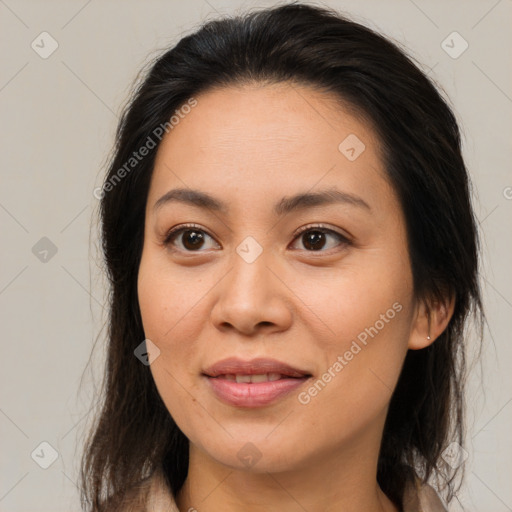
x,y
159,497
150,495
420,497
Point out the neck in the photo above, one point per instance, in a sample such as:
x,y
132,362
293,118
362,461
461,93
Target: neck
x,y
334,482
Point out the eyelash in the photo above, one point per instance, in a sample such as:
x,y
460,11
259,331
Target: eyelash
x,y
174,232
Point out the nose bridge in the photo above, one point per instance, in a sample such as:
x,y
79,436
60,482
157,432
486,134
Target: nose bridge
x,y
250,278
251,294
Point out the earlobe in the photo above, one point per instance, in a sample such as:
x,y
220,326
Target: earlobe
x,y
432,318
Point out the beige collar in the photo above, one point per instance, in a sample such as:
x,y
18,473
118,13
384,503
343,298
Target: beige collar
x,y
420,497
417,497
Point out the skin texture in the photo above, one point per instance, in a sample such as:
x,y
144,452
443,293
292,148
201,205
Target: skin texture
x,y
250,146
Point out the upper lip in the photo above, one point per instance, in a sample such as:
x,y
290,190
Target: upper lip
x,y
235,366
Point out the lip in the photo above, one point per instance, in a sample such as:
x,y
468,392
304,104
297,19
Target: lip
x,y
254,394
234,365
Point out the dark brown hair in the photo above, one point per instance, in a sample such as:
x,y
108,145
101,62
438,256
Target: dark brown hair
x,y
134,434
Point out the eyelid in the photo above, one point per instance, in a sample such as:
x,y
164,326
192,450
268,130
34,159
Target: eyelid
x,y
320,227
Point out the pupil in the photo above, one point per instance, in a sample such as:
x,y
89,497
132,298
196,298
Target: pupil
x,y
315,239
195,238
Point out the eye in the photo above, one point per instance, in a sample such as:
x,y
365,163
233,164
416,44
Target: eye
x,y
314,238
192,238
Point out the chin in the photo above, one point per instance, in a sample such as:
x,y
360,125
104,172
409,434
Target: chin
x,y
256,454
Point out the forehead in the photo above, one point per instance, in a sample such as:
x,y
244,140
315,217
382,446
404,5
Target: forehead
x,y
256,139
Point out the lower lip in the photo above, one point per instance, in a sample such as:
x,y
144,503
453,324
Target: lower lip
x,y
248,394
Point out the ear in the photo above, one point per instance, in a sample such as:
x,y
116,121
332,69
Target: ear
x,y
432,318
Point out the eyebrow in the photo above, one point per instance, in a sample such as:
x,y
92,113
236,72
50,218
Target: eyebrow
x,y
301,201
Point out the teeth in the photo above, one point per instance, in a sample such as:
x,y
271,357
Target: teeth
x,y
260,378
263,377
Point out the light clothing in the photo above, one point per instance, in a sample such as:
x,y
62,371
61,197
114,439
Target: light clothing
x,y
156,498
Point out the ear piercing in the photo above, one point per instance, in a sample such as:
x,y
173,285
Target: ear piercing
x,y
428,338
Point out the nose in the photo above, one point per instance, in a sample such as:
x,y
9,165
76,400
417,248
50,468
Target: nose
x,y
251,298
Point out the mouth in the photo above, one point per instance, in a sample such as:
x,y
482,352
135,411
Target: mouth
x,y
254,367
259,377
254,383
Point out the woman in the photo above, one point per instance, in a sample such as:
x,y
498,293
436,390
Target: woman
x,y
292,253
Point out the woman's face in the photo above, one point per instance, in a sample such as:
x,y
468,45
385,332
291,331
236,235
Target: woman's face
x,y
334,302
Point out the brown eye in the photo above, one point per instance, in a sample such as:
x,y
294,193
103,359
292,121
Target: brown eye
x,y
187,239
192,239
314,239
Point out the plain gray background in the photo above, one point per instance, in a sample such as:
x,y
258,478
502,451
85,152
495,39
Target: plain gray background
x,y
58,118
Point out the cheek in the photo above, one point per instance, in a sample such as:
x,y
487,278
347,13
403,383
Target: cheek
x,y
170,302
359,373
368,311
368,295
172,306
